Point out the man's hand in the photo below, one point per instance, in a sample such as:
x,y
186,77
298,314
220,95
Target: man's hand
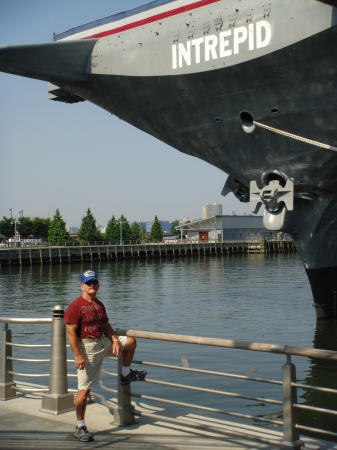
x,y
79,362
116,348
109,332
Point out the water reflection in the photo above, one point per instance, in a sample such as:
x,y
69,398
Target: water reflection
x,y
324,374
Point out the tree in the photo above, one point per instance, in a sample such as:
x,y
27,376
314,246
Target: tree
x,y
142,234
57,229
175,232
156,234
7,228
112,231
125,228
134,232
88,230
37,227
25,227
40,227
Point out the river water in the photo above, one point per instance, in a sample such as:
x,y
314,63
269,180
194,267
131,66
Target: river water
x,y
258,298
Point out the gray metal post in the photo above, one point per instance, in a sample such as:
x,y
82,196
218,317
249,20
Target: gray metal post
x,y
6,378
58,400
290,432
123,416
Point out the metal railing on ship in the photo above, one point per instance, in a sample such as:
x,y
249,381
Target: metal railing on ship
x,y
57,398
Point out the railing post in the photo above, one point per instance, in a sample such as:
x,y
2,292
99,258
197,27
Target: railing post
x,y
291,438
123,416
58,400
6,378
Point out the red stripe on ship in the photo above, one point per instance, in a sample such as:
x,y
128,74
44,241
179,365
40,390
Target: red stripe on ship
x,y
154,18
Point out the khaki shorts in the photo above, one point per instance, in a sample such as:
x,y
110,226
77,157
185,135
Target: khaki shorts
x,y
94,353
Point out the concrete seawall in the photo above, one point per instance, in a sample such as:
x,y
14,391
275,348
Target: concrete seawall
x,y
67,254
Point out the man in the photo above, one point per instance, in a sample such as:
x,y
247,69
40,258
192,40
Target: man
x,y
91,338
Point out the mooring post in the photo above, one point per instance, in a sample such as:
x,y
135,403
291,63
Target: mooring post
x,y
6,378
291,438
58,400
123,416
262,246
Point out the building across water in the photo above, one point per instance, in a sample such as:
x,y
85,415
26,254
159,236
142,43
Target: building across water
x,y
226,228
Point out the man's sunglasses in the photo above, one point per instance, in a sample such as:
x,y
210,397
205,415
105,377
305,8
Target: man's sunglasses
x,y
89,283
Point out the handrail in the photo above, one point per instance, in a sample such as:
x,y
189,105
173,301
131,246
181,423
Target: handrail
x,y
241,345
213,391
25,321
314,408
30,375
315,430
206,408
314,388
28,360
206,372
10,344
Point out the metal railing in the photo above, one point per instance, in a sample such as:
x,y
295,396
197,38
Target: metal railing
x,y
57,398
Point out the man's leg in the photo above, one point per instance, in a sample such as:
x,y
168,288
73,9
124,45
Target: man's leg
x,y
81,431
87,378
81,403
128,374
128,351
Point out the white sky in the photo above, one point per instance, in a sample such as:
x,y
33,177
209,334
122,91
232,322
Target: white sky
x,y
75,157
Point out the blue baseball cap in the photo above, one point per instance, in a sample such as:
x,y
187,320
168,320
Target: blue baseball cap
x,y
88,275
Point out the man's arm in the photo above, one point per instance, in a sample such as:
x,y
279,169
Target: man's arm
x,y
110,333
73,342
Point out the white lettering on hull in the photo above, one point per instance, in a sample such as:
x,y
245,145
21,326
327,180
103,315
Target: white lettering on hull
x,y
228,43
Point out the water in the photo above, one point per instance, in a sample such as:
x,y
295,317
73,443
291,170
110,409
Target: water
x,y
260,298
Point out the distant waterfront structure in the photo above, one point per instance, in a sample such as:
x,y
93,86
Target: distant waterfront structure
x,y
165,225
72,230
229,228
148,227
101,229
211,210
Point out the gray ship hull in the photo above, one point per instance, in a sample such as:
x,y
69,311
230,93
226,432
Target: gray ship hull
x,y
178,116
199,113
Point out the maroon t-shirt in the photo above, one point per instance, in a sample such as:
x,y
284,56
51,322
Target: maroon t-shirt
x,y
90,317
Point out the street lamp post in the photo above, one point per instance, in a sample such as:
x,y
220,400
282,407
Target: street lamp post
x,y
121,231
16,222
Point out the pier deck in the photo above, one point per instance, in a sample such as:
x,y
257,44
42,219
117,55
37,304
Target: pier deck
x,y
83,253
23,426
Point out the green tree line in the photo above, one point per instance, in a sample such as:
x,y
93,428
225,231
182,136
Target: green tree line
x,y
25,227
54,230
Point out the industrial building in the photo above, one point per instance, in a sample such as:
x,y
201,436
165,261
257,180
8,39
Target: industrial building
x,y
228,228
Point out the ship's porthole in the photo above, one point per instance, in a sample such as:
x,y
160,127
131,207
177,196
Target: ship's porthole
x,y
275,110
218,120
